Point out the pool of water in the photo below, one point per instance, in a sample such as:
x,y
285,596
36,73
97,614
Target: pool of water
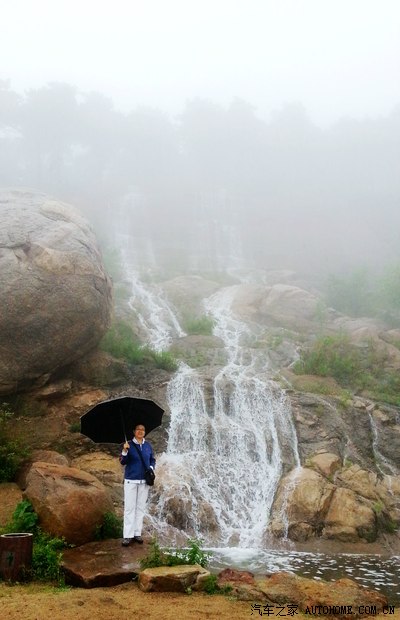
x,y
375,572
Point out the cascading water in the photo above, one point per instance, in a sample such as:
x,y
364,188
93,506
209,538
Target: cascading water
x,y
253,426
382,463
227,451
225,454
155,316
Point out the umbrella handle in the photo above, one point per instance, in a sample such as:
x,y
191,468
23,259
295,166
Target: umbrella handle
x,y
123,424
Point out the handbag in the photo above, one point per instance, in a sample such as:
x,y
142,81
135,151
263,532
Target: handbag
x,y
149,474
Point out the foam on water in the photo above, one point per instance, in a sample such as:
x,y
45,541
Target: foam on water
x,y
371,571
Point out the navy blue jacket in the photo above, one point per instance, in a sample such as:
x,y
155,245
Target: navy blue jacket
x,y
134,469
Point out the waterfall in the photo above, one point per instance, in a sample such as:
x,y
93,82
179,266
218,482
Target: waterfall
x,y
231,430
227,448
158,321
252,414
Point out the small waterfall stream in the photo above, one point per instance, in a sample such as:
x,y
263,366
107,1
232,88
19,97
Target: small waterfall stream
x,y
382,463
155,315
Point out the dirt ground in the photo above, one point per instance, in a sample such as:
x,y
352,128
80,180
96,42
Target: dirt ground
x,y
39,602
43,602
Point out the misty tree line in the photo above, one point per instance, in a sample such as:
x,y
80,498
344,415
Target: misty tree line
x,y
297,193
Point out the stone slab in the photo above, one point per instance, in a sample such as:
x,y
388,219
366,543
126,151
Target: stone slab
x,y
104,563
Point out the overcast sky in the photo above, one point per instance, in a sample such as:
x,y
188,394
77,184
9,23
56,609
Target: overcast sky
x,y
337,57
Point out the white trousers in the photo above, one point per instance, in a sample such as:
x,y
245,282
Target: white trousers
x,y
135,498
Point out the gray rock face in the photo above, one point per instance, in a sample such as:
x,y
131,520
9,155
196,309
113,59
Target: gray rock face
x,y
56,298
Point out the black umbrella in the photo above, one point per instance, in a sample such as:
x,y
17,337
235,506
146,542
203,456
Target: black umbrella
x,y
111,420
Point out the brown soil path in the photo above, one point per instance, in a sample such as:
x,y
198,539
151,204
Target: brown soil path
x,y
43,602
38,602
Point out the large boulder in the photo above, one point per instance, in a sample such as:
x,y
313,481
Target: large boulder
x,y
301,504
350,518
70,503
108,470
56,296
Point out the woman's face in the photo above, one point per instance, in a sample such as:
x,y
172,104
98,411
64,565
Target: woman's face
x,y
139,432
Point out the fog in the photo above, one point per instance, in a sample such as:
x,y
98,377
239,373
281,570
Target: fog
x,y
262,131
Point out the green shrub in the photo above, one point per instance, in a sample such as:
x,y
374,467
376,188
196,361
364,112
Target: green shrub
x,y
378,507
47,550
331,356
111,527
193,554
24,519
154,558
211,586
199,326
165,360
121,342
195,360
46,557
359,368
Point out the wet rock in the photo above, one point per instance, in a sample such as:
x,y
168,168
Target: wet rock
x,y
174,483
200,350
99,368
46,456
349,517
361,481
70,503
104,467
290,307
173,578
326,463
300,531
103,563
242,585
108,470
187,293
303,498
54,390
343,598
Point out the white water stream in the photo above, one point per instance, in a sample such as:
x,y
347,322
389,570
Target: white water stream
x,y
155,315
228,444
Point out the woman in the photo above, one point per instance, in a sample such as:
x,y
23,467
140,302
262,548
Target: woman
x,y
135,488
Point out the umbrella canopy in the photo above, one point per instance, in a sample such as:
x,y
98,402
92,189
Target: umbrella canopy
x,y
112,420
